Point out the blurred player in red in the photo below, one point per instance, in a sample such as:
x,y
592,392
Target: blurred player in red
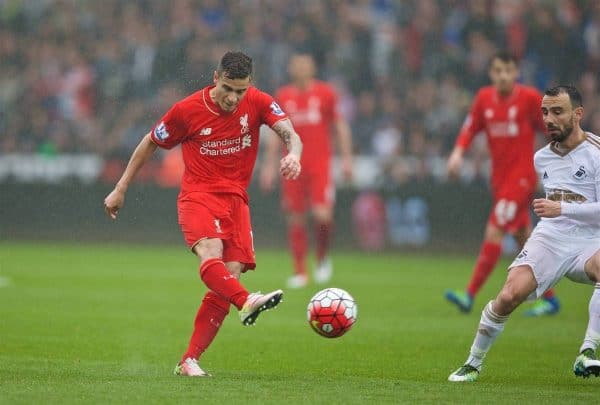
x,y
217,128
509,114
312,107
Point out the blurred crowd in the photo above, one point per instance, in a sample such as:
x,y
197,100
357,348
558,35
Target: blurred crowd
x,y
94,76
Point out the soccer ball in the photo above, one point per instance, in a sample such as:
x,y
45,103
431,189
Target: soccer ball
x,y
331,312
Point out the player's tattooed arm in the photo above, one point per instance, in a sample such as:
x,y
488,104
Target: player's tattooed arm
x,y
289,137
290,164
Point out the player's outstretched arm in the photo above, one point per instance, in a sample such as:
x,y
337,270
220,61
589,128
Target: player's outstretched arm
x,y
587,212
290,164
115,200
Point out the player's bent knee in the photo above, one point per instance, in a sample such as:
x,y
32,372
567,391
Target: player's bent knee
x,y
294,218
519,285
506,301
322,214
210,248
592,267
493,233
235,268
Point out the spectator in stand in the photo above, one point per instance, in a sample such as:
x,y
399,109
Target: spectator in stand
x,y
124,51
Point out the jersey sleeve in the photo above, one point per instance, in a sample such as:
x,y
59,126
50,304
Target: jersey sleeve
x,y
270,112
589,212
472,126
171,130
585,212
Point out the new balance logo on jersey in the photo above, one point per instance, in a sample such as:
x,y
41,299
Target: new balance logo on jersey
x,y
206,131
522,255
218,226
580,173
545,176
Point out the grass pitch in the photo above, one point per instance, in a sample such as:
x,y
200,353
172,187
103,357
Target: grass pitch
x,y
107,323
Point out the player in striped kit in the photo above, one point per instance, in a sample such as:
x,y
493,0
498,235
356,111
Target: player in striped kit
x,y
566,241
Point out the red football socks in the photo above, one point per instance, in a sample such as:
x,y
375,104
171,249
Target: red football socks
x,y
216,277
488,257
209,318
323,232
298,240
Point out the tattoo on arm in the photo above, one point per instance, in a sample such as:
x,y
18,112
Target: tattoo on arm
x,y
284,130
290,138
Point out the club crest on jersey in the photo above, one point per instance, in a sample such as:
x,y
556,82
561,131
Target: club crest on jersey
x,y
580,173
160,132
275,109
244,123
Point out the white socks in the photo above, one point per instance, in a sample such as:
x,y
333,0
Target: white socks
x,y
592,334
490,326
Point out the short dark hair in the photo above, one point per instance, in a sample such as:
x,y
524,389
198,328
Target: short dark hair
x,y
574,95
504,56
235,65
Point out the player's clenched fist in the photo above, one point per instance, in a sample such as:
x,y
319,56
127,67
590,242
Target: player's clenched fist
x,y
546,208
113,202
290,166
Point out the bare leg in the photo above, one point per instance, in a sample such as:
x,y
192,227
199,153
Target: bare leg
x,y
520,283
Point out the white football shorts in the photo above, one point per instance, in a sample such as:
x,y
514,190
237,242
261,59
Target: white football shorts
x,y
553,257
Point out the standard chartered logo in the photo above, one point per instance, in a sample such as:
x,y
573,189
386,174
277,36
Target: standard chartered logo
x,y
225,147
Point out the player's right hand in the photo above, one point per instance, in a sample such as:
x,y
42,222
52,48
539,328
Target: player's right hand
x,y
113,202
454,164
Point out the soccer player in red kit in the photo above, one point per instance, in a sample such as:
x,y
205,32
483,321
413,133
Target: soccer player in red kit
x,y
312,107
509,114
217,128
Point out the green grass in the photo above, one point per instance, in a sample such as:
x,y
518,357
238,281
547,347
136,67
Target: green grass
x,y
107,323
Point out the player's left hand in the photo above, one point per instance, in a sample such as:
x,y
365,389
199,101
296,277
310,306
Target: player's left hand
x,y
290,166
546,208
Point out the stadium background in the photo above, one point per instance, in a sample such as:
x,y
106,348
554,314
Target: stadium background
x,y
82,81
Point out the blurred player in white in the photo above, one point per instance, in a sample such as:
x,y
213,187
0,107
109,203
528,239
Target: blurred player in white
x,y
565,242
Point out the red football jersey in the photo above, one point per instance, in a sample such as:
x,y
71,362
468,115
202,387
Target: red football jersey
x,y
219,149
312,112
510,124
